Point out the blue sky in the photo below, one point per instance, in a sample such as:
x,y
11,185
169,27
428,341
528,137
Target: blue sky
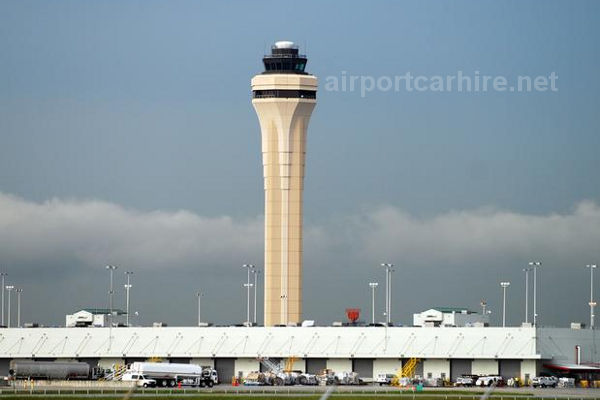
x,y
145,106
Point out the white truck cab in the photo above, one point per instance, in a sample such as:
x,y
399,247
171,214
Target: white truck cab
x,y
384,379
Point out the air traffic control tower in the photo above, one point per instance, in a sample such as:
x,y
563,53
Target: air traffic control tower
x,y
284,97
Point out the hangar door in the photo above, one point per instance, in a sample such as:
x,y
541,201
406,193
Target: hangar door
x,y
363,366
314,365
4,366
225,368
510,368
418,369
459,367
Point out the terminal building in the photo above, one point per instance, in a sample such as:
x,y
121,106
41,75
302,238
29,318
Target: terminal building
x,y
444,352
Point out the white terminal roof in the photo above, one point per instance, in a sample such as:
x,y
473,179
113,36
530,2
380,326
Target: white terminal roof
x,y
317,342
307,342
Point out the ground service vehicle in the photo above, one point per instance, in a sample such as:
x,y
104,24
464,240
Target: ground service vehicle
x,y
29,369
489,380
171,374
466,380
329,377
140,380
384,379
544,381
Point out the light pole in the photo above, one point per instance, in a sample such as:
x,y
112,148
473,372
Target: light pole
x,y
19,291
111,269
592,303
256,272
535,265
9,288
199,294
389,268
3,275
504,285
373,286
127,286
526,270
248,285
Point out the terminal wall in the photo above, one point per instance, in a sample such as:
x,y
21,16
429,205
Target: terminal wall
x,y
386,366
246,365
436,368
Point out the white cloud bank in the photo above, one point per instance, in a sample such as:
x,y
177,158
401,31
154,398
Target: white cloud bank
x,y
482,234
92,233
95,233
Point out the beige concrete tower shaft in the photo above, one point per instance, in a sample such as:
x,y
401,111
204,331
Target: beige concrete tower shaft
x,y
283,123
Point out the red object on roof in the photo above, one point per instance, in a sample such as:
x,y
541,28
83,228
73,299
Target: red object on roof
x,y
353,314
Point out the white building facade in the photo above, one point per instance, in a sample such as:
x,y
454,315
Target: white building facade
x,y
443,352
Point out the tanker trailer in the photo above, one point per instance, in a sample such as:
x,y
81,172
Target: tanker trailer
x,y
29,369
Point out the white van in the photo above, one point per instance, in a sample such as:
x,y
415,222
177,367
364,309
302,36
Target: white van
x,y
384,379
140,380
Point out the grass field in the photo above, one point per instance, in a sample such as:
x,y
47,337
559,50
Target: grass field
x,y
275,396
363,396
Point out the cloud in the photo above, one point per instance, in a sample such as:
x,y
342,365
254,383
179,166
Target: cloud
x,y
65,244
93,233
481,234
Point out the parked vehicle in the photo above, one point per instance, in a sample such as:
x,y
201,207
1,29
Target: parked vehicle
x,y
29,369
384,379
544,381
466,380
140,380
302,378
329,377
489,380
348,378
566,382
170,374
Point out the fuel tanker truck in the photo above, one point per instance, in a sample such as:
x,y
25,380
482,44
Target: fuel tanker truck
x,y
29,369
171,374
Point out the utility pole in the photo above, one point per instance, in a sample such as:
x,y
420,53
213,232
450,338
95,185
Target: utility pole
x,y
248,285
535,265
3,275
373,286
389,268
9,288
256,273
592,303
199,294
526,270
504,285
128,286
19,291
